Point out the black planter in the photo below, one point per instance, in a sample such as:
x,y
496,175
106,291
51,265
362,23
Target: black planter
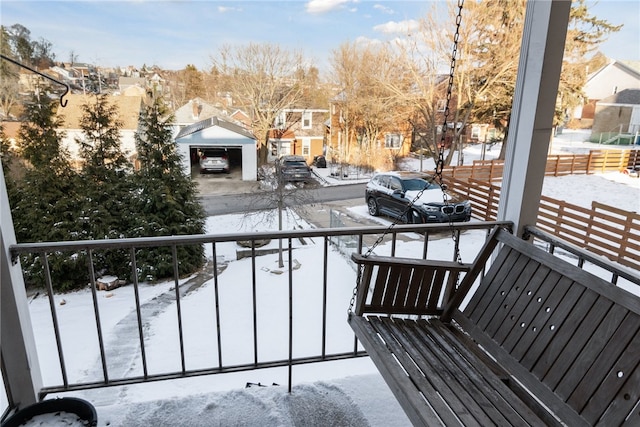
x,y
83,409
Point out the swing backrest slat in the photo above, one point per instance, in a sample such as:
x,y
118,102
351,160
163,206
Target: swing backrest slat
x,y
404,285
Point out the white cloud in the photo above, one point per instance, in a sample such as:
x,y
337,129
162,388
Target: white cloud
x,y
392,27
225,9
365,41
322,6
384,9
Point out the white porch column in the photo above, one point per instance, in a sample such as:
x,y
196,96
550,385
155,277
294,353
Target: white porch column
x,y
21,374
534,103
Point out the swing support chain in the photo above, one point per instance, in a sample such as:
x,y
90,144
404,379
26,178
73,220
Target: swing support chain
x,y
437,177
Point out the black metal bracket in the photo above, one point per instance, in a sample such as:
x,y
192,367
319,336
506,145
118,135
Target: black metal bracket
x,y
63,102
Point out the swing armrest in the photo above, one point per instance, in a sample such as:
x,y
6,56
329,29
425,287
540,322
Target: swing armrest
x,y
405,286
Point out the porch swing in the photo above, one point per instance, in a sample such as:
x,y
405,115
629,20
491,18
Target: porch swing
x,y
534,340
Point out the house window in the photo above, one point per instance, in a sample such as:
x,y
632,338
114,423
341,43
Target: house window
x,y
475,132
393,140
281,120
306,120
441,105
280,148
306,147
285,148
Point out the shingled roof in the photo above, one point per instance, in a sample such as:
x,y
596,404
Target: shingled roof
x,y
128,110
627,96
210,122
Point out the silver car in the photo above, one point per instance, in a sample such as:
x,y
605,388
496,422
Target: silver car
x,y
214,160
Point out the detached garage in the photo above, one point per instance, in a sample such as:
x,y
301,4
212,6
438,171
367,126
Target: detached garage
x,y
217,133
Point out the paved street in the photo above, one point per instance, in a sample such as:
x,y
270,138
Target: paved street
x,y
222,194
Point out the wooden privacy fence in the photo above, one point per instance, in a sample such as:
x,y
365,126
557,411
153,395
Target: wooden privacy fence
x,y
597,161
603,230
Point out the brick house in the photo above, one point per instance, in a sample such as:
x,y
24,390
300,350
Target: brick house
x,y
299,131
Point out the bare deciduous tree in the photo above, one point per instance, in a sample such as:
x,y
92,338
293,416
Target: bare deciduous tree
x,y
263,77
370,77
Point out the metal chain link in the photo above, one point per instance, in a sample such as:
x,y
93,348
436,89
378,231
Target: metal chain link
x,y
440,163
437,177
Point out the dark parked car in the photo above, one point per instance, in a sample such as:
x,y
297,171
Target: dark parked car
x,y
294,168
391,193
214,160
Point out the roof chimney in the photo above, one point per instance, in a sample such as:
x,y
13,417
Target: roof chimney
x,y
196,108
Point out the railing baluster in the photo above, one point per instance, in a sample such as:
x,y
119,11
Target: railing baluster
x,y
96,312
425,245
176,279
290,313
324,297
254,299
394,236
217,303
134,272
54,319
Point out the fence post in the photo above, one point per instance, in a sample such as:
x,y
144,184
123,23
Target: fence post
x,y
589,159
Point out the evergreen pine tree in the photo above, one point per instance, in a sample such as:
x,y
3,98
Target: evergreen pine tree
x,y
44,200
107,182
167,199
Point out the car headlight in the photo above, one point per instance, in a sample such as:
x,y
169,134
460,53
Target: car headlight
x,y
428,208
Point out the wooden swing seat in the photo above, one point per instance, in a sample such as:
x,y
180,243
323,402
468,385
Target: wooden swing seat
x,y
540,342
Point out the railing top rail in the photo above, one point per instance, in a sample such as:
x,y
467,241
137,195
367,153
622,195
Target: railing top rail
x,y
140,242
602,262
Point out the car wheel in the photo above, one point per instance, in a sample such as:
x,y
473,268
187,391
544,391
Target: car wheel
x,y
372,205
412,217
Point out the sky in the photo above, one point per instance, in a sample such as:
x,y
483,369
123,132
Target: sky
x,y
172,34
323,393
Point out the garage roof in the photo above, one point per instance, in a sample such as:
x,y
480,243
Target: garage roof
x,y
213,122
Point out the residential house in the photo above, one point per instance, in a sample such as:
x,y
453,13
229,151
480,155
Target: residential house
x,y
299,131
197,109
240,116
614,77
125,83
344,145
129,108
617,118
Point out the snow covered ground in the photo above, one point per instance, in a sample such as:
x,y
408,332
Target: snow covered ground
x,y
347,393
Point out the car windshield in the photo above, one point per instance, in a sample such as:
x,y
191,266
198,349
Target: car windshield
x,y
417,184
213,153
294,163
